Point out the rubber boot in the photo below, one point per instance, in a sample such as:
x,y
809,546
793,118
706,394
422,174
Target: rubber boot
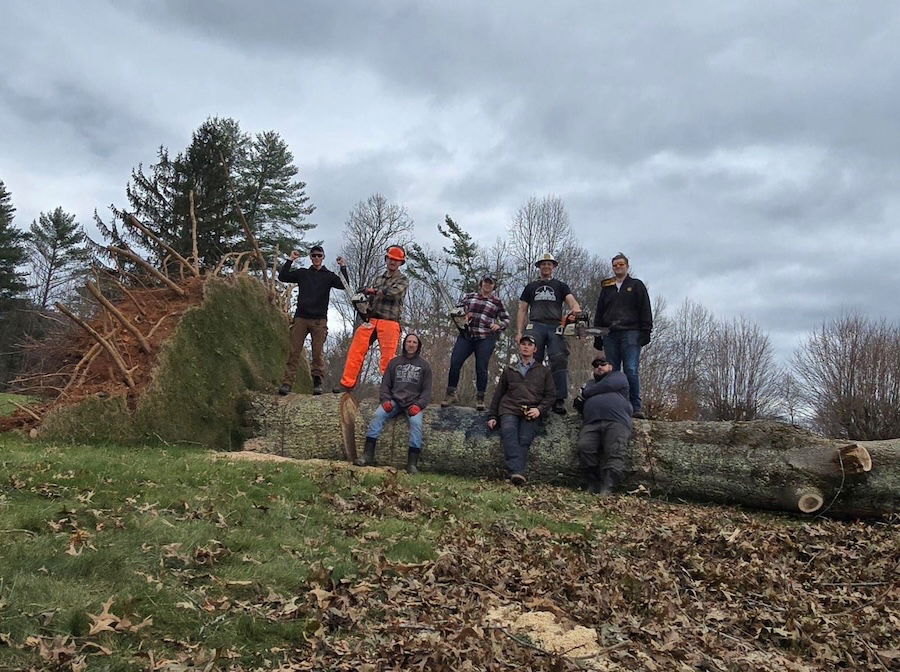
x,y
368,458
450,399
608,481
317,384
479,402
412,462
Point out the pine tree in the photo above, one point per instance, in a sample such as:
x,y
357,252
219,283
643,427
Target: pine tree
x,y
275,201
463,254
223,167
58,255
12,253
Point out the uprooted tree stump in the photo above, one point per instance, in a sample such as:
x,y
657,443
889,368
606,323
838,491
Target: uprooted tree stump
x,y
760,464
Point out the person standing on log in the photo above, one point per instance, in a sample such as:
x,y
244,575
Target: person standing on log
x,y
486,317
524,393
606,411
311,317
383,324
541,305
623,307
405,388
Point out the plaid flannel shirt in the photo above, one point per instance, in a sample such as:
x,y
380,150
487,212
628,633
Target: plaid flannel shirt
x,y
484,312
388,301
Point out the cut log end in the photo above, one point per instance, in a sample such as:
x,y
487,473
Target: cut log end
x,y
854,458
809,500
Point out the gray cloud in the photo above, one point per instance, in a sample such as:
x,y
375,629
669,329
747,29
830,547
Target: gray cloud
x,y
743,154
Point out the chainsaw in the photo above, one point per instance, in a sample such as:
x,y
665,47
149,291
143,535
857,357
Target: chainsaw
x,y
579,326
359,300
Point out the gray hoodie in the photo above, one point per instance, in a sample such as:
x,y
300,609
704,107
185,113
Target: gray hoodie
x,y
407,380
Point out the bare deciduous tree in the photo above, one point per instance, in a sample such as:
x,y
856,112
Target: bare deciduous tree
x,y
539,226
740,380
850,368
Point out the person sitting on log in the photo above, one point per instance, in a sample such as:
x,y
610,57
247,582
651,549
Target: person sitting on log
x,y
524,393
383,324
606,411
486,317
311,317
405,388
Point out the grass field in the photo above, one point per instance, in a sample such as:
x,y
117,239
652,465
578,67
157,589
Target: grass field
x,y
161,557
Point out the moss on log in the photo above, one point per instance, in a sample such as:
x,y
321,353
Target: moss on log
x,y
759,464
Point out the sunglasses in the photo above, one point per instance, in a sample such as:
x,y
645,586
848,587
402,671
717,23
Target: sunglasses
x,y
599,362
316,254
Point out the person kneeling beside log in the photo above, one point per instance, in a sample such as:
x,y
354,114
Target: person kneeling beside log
x,y
405,388
524,393
606,409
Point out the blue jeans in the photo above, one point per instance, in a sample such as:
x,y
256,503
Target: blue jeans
x,y
516,434
624,353
545,337
462,350
382,416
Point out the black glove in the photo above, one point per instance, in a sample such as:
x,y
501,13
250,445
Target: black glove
x,y
598,342
578,404
644,338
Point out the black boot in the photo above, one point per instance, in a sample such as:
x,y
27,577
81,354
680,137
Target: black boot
x,y
368,458
479,402
317,384
592,482
608,481
412,462
285,389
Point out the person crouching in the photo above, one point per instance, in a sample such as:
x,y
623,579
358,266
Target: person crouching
x,y
605,406
524,393
405,388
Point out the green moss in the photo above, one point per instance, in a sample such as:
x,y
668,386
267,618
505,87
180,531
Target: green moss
x,y
234,341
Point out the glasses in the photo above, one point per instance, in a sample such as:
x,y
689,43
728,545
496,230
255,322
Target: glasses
x,y
316,254
620,263
599,362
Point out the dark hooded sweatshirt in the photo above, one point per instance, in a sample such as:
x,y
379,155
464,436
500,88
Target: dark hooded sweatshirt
x,y
407,380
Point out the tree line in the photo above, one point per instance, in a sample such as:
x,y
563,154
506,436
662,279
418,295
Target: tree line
x,y
229,190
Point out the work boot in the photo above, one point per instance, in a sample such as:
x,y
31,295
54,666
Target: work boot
x,y
639,414
317,384
479,402
559,406
368,458
518,480
340,388
608,481
284,389
592,483
412,462
450,399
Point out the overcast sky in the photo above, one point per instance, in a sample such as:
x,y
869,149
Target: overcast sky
x,y
745,155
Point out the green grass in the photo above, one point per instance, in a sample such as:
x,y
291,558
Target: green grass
x,y
6,402
213,550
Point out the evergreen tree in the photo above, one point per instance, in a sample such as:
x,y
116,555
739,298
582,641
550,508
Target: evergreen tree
x,y
463,255
274,199
222,166
58,255
12,253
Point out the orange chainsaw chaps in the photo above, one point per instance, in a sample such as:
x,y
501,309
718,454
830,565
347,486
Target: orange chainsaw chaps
x,y
388,334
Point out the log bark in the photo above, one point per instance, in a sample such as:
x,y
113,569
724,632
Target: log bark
x,y
760,464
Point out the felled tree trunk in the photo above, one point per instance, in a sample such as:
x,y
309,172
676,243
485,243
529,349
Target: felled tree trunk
x,y
759,464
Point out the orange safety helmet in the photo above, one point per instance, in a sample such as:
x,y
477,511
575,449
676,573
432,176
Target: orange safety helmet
x,y
396,253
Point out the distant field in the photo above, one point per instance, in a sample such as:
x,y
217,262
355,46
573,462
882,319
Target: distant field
x,y
6,405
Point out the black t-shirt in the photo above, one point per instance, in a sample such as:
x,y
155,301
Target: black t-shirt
x,y
545,299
